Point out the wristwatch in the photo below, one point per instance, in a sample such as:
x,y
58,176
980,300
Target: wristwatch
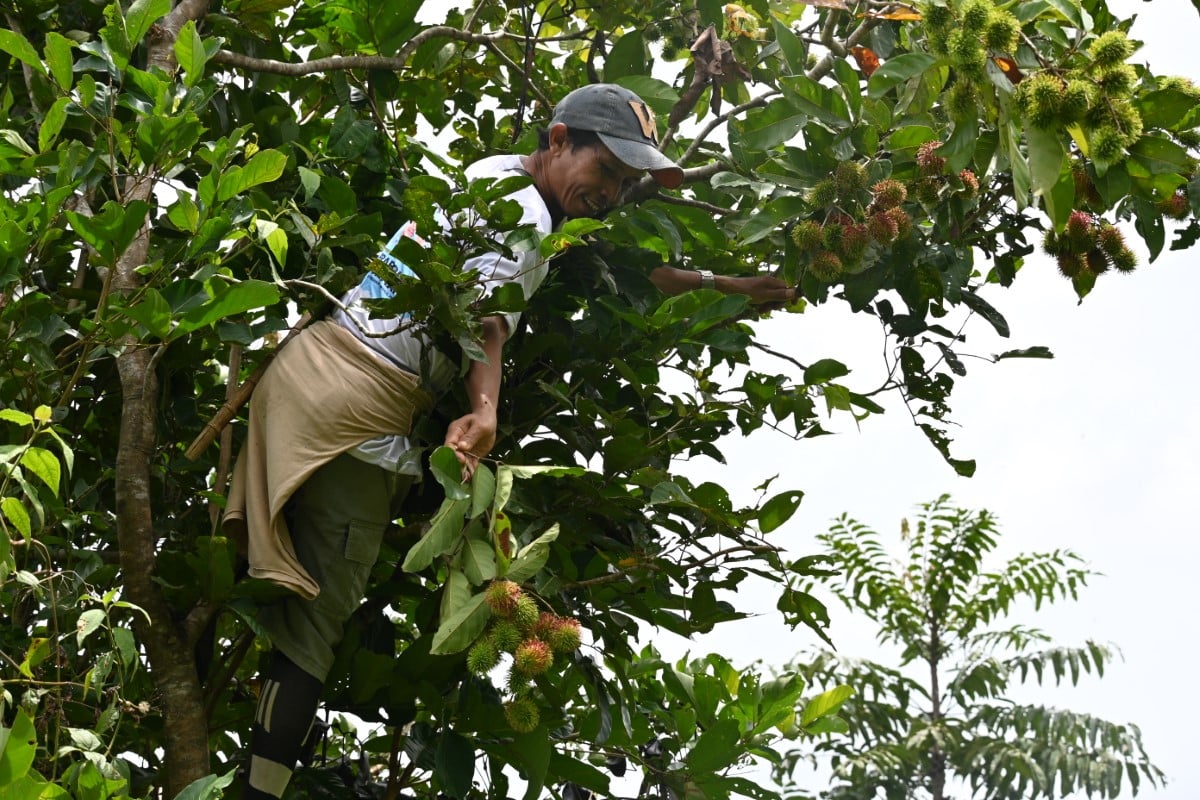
x,y
707,280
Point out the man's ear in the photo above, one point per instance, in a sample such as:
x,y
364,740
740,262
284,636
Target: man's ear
x,y
558,136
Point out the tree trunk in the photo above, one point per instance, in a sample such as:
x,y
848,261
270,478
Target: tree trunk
x,y
937,760
171,660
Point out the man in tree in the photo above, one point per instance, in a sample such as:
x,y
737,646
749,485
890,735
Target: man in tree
x,y
327,460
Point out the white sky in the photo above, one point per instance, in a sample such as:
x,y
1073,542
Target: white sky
x,y
1095,451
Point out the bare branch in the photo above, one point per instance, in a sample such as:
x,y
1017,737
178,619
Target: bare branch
x,y
761,100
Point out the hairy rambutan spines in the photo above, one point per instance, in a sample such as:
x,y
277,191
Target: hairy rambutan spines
x,y
1110,239
849,178
1117,81
1107,144
483,656
1096,261
526,613
502,598
823,195
522,714
826,266
970,182
1043,99
975,16
565,637
807,235
1110,49
832,236
903,220
1175,207
928,161
888,193
1124,260
1076,100
1179,83
1080,230
883,227
1070,264
532,657
505,635
936,17
1190,139
1003,32
927,190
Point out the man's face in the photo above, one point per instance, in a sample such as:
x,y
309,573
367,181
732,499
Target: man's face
x,y
585,181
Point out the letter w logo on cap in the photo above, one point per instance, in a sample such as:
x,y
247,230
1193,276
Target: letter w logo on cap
x,y
646,118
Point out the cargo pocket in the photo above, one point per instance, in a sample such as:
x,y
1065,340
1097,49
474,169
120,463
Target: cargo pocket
x,y
360,551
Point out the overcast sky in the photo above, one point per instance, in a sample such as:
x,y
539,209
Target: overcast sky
x,y
1095,451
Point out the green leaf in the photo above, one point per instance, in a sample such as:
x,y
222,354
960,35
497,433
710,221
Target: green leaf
x,y
816,100
986,310
778,510
458,633
444,531
153,312
825,704
768,218
19,417
448,470
112,230
959,149
454,764
43,464
716,748
89,622
1046,157
897,70
52,123
61,60
763,129
14,511
627,57
1163,108
190,53
264,166
479,561
141,15
791,47
824,371
1160,156
19,48
226,301
1029,352
532,557
18,747
207,788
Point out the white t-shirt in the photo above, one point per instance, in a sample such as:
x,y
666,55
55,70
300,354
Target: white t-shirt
x,y
411,348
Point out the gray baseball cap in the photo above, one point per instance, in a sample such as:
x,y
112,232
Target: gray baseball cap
x,y
624,123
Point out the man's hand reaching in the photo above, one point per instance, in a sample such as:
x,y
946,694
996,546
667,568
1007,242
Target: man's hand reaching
x,y
473,436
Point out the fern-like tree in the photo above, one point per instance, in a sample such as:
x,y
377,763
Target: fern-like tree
x,y
942,718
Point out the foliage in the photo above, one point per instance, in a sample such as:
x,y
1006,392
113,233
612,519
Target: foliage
x,y
943,714
180,178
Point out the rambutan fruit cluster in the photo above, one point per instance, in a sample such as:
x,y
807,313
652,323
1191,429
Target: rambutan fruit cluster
x,y
531,637
965,32
1096,95
1088,246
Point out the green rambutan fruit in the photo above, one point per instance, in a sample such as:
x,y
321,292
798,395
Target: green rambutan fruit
x,y
526,613
849,178
888,193
1107,144
1003,32
532,657
928,161
962,101
1117,81
938,42
936,17
1070,264
502,598
1076,100
669,51
1096,261
652,33
975,15
826,266
1124,260
1045,99
973,71
1085,187
483,656
823,195
506,635
1109,238
1189,139
1051,244
1180,84
807,235
1111,48
1127,119
927,190
832,236
522,714
566,636
963,44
